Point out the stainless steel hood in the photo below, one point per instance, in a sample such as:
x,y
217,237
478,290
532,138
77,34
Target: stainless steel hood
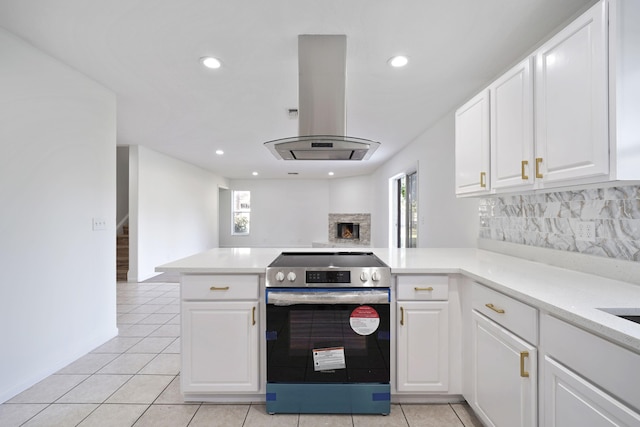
x,y
322,111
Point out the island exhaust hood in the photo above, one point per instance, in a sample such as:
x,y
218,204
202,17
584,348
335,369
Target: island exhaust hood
x,y
322,110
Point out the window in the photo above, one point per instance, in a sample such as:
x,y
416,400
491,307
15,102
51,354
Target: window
x,y
406,215
240,212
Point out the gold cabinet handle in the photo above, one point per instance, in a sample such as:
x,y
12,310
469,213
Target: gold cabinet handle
x,y
402,316
253,316
483,179
523,166
523,355
221,288
430,288
538,161
493,307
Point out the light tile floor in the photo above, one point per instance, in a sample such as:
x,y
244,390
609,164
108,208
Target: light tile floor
x,y
133,380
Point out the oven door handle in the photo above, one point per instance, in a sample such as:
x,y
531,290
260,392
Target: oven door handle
x,y
290,297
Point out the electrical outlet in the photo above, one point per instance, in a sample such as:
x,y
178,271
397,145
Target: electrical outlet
x,y
585,231
99,224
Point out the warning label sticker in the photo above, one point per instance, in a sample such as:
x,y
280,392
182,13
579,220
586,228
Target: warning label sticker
x,y
364,320
325,359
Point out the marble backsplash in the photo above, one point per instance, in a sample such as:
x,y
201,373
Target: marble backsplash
x,y
551,220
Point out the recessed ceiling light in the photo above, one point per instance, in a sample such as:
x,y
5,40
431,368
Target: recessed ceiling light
x,y
398,61
254,173
219,152
210,62
330,173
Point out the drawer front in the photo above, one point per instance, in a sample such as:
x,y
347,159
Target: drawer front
x,y
608,366
423,288
219,287
517,317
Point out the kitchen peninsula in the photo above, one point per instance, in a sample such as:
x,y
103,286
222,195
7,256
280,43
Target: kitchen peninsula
x,y
500,308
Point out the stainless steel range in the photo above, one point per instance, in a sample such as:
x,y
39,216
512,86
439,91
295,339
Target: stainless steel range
x,y
328,333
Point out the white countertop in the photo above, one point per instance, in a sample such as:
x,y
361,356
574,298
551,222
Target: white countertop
x,y
570,295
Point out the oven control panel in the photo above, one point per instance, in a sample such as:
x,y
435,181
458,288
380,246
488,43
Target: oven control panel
x,y
338,276
328,277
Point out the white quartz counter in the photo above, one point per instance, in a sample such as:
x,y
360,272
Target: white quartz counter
x,y
570,295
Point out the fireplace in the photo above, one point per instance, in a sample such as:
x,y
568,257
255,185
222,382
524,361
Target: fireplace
x,y
348,230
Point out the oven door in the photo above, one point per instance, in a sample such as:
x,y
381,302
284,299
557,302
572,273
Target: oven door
x,y
328,335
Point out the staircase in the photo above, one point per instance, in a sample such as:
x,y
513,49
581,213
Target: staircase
x,y
122,255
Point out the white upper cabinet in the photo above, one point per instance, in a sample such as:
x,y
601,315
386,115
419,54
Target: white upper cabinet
x,y
567,115
512,128
472,146
572,140
624,88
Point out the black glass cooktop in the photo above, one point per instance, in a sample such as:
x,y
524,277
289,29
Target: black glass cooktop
x,y
327,259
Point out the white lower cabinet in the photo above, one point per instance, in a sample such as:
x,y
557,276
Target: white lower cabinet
x,y
570,400
586,381
220,354
504,367
422,328
422,346
220,339
505,372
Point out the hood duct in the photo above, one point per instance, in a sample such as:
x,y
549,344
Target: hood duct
x,y
322,106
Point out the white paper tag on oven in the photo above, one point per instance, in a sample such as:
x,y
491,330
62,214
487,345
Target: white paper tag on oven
x,y
326,359
364,320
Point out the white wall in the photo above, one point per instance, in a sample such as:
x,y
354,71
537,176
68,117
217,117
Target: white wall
x,y
444,220
352,195
284,213
294,213
173,210
57,172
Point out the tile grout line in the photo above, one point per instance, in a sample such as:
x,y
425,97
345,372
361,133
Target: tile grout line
x,y
34,415
404,415
194,414
457,415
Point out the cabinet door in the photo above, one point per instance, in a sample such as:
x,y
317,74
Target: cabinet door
x,y
220,346
512,128
572,137
423,346
472,146
504,376
570,400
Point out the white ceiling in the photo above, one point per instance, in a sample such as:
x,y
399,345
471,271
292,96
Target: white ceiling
x,y
147,52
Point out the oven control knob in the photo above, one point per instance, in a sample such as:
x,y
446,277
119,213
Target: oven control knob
x,y
364,276
375,276
279,276
291,276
